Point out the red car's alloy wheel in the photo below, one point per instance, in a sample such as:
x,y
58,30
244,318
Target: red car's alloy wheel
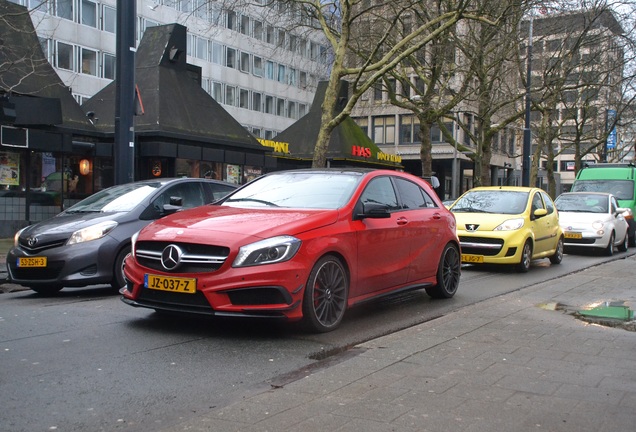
x,y
326,295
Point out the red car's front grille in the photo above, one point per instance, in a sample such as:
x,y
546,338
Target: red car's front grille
x,y
196,258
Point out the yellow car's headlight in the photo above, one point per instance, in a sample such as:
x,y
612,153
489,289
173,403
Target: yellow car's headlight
x,y
93,232
510,225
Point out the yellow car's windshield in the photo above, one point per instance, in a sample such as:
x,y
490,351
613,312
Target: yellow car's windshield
x,y
492,201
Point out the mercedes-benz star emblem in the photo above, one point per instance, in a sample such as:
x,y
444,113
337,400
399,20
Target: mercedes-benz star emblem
x,y
171,257
471,227
32,241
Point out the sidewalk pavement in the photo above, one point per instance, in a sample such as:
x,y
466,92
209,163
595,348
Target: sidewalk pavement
x,y
519,362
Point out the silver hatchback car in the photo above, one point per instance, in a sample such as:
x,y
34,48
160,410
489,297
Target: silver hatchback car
x,y
87,243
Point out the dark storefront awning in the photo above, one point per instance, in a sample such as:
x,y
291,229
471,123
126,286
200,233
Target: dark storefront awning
x,y
348,144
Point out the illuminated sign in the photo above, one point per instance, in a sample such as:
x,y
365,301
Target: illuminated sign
x,y
279,147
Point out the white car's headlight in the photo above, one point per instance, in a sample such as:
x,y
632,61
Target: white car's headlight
x,y
93,232
510,225
268,251
598,225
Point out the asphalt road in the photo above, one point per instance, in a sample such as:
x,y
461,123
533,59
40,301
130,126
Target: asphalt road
x,y
85,361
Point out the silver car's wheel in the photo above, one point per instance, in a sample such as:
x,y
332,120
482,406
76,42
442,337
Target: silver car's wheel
x,y
624,244
118,269
326,294
526,258
448,273
609,250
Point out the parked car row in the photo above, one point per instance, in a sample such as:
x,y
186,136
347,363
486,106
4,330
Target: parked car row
x,y
303,244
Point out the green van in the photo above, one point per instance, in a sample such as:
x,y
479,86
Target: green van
x,y
615,178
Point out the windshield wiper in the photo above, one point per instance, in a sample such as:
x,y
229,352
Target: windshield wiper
x,y
268,203
469,210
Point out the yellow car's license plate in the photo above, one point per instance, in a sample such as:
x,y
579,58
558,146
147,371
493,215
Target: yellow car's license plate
x,y
169,283
32,262
467,258
572,235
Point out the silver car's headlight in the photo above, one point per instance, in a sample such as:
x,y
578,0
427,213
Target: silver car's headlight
x,y
17,236
268,251
133,242
93,232
510,225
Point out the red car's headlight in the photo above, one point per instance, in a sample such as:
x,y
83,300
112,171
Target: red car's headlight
x,y
268,251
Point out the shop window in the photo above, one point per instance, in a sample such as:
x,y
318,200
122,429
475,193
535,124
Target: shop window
x,y
232,173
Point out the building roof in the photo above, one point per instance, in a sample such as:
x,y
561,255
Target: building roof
x,y
174,103
29,81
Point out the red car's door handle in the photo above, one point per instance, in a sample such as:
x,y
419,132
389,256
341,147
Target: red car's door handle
x,y
402,221
436,216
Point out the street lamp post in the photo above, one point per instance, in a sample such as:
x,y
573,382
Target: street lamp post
x,y
527,134
455,168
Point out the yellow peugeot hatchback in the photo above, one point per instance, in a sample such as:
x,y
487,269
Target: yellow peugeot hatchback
x,y
508,225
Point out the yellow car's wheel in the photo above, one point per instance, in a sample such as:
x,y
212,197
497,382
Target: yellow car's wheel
x,y
526,258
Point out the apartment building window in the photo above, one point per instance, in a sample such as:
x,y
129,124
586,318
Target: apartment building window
x,y
201,8
377,91
89,61
293,43
302,47
109,66
231,18
109,19
245,62
64,9
269,134
201,48
244,98
64,56
292,77
230,95
384,129
257,32
280,38
270,35
245,25
269,104
44,43
292,110
280,77
257,101
314,51
302,83
269,70
216,90
302,110
258,66
409,129
230,58
216,54
186,6
89,13
280,107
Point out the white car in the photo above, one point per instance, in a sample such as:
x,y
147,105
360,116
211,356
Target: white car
x,y
592,220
